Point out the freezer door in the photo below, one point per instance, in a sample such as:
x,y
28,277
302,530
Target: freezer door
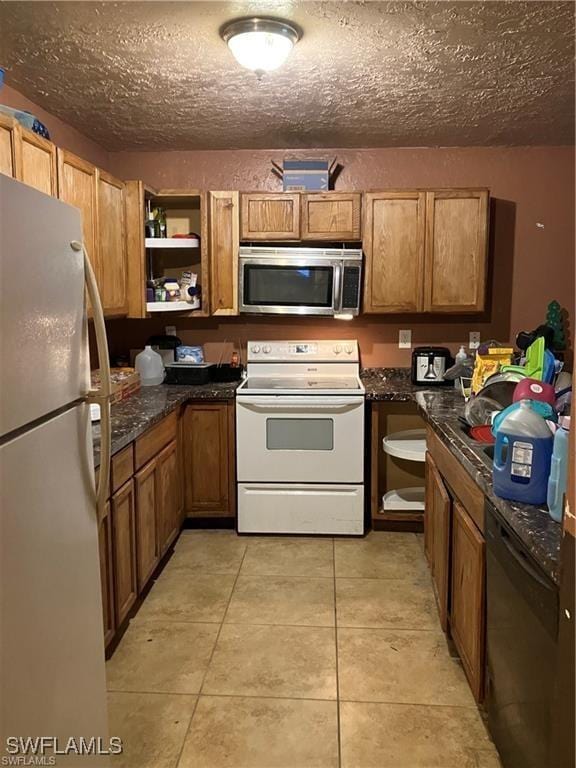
x,y
52,647
44,353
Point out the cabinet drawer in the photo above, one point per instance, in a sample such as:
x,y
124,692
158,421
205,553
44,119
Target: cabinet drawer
x,y
121,468
155,439
457,478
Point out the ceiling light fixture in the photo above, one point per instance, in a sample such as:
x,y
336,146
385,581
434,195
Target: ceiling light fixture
x,y
260,44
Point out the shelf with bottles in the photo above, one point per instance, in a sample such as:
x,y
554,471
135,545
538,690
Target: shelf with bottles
x,y
176,269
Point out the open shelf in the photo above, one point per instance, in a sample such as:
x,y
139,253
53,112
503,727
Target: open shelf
x,y
409,444
385,516
168,306
172,242
404,499
397,471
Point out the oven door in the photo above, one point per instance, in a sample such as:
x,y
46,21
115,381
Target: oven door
x,y
289,286
314,439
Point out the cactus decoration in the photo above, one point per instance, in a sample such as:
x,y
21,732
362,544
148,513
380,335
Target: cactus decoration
x,y
555,321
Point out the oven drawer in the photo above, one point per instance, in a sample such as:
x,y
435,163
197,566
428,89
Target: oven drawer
x,y
300,439
300,508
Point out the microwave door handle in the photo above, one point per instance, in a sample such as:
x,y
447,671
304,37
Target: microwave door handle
x,y
337,298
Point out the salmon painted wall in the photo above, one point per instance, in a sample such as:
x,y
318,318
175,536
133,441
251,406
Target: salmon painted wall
x,y
62,134
531,241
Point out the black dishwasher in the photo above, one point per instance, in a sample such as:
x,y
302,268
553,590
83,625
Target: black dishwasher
x,y
521,641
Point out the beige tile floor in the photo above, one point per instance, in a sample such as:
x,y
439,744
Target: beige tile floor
x,y
268,652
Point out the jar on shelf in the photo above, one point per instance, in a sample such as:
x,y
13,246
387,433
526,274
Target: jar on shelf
x,y
172,289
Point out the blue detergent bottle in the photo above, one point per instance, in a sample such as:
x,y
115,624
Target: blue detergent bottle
x,y
522,456
559,471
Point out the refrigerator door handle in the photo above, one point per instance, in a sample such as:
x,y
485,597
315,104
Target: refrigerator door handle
x,y
103,395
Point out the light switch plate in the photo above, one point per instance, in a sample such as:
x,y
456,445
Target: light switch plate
x,y
473,340
405,339
170,330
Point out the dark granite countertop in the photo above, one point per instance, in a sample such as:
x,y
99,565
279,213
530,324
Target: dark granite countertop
x,y
132,417
441,408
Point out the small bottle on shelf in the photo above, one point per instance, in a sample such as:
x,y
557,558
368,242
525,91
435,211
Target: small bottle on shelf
x,y
151,228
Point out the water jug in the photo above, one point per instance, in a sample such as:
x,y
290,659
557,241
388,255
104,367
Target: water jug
x,y
522,456
559,471
150,367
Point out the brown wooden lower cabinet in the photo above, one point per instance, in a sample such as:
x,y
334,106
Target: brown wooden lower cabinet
x,y
208,458
441,505
455,548
122,510
146,534
168,505
106,575
467,614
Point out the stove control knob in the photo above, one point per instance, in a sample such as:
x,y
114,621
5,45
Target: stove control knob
x,y
267,349
255,349
337,349
348,349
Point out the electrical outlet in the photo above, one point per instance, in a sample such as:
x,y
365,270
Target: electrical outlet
x,y
405,339
473,340
170,330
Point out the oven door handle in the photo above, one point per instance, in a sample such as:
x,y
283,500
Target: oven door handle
x,y
333,404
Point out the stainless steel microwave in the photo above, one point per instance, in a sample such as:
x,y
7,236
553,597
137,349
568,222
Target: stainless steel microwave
x,y
299,281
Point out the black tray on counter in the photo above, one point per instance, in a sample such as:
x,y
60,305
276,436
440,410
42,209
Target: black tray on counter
x,y
201,373
226,372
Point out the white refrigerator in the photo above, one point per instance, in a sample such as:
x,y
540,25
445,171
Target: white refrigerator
x,y
52,674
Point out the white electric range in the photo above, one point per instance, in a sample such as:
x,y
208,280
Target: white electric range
x,y
300,439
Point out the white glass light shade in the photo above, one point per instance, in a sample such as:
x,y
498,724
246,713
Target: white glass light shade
x,y
260,51
261,45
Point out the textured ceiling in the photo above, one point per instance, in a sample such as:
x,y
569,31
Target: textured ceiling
x,y
155,75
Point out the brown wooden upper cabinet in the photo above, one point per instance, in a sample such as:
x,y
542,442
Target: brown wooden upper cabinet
x,y
331,216
112,260
270,216
425,251
77,186
100,199
300,216
8,146
37,162
394,249
27,157
456,250
223,231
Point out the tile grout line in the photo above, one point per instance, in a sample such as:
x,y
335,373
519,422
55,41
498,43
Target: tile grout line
x,y
177,763
222,622
388,703
336,650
